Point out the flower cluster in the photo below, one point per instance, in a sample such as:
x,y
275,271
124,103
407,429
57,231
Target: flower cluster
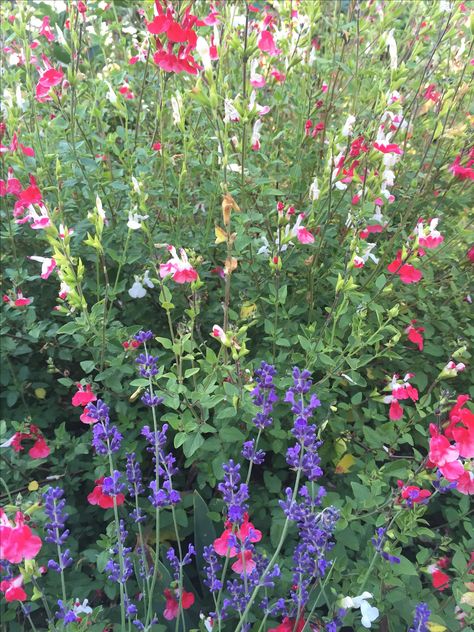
x,y
56,533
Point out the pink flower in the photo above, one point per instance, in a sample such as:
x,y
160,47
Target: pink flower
x,y
463,172
45,29
266,44
50,78
465,483
440,580
171,610
302,234
47,265
28,151
244,564
368,230
219,333
156,146
83,396
17,542
441,451
178,267
13,589
430,238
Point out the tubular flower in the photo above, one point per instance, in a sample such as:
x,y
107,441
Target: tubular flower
x,y
106,501
415,334
406,272
13,589
173,597
178,267
40,448
17,542
83,396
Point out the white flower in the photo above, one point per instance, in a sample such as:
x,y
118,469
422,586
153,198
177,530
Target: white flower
x,y
99,207
255,140
135,220
177,107
348,125
135,184
202,48
137,290
147,281
314,191
81,608
392,49
230,113
369,613
111,96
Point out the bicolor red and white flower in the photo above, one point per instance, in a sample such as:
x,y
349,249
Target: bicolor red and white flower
x,y
48,264
178,267
429,237
400,390
173,598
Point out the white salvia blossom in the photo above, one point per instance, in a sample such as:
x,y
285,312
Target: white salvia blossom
x,y
392,49
369,246
137,290
217,37
20,101
99,208
111,96
202,48
177,107
314,191
445,6
60,36
348,125
230,113
369,613
147,281
257,126
135,184
234,167
135,220
81,608
389,177
207,622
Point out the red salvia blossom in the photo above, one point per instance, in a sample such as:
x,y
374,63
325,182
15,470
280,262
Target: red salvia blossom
x,y
17,541
266,44
18,301
83,396
465,172
289,625
388,148
173,597
439,579
45,29
246,530
13,589
97,496
39,450
369,230
415,334
407,272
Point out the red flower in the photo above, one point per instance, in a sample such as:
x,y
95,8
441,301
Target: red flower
x,y
97,496
40,449
45,29
17,542
368,230
246,530
413,494
388,148
406,272
288,625
13,589
415,335
83,397
440,580
171,610
470,254
466,172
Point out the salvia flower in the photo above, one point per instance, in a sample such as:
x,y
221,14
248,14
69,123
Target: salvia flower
x,y
17,542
